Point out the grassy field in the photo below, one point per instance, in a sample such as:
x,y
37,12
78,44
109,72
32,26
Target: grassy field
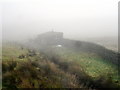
x,y
35,71
93,64
59,68
12,51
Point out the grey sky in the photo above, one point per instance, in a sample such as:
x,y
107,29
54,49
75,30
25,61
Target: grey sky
x,y
75,18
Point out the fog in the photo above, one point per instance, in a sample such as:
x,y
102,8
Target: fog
x,y
77,19
77,48
0,26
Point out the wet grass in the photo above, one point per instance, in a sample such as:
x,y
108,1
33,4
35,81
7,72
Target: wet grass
x,y
59,68
93,65
35,71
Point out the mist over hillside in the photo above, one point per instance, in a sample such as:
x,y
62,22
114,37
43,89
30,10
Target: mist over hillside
x,y
52,61
52,39
76,19
108,42
59,44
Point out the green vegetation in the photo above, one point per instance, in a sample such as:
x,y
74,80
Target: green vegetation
x,y
56,68
93,64
35,71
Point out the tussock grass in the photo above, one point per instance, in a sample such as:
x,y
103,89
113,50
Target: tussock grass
x,y
33,71
57,68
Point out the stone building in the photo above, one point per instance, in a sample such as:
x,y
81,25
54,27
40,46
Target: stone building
x,y
50,38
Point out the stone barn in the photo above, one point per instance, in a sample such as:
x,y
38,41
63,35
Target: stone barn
x,y
50,38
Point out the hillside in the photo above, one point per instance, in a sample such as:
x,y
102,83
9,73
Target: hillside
x,y
25,68
108,42
52,39
59,63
